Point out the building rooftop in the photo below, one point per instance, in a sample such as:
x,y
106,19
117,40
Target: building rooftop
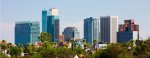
x,y
109,16
23,22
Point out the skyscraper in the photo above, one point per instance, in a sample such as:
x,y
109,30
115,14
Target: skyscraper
x,y
129,25
53,24
57,30
26,32
71,33
128,31
44,20
53,28
91,30
50,23
109,28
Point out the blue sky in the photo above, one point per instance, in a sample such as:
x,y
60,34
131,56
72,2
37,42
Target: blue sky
x,y
72,13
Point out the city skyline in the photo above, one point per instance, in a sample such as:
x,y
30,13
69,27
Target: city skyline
x,y
73,13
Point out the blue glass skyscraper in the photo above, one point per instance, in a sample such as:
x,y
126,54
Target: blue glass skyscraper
x,y
91,30
50,23
44,20
26,32
51,26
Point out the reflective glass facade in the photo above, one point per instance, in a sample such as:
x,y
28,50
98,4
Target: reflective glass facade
x,y
123,37
91,30
44,20
53,27
50,23
26,32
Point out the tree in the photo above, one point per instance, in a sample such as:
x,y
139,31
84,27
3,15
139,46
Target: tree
x,y
72,43
142,49
28,49
85,43
113,51
4,47
20,46
37,55
55,44
79,50
66,45
95,42
47,45
130,43
3,41
15,51
44,36
9,45
46,40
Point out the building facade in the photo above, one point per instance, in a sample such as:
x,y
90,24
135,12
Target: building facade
x,y
91,30
44,20
50,21
56,30
26,32
128,31
129,25
71,33
123,37
108,29
53,28
61,38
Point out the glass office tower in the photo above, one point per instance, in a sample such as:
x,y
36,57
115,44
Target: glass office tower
x,y
26,32
51,27
50,23
91,30
44,20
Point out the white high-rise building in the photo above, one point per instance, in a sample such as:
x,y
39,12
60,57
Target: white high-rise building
x,y
108,29
54,11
